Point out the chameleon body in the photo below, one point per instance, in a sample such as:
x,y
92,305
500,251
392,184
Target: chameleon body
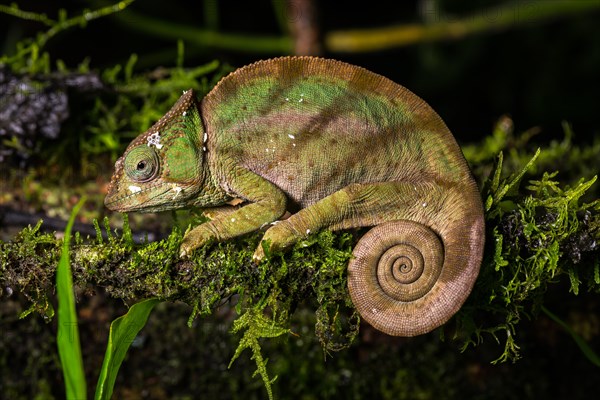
x,y
337,147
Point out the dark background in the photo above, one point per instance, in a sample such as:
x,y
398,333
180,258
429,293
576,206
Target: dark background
x,y
540,73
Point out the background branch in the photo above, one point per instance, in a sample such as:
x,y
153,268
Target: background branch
x,y
507,16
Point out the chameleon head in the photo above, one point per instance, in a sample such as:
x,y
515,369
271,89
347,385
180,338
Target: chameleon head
x,y
163,167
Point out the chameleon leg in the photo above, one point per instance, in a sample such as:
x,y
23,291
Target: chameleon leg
x,y
354,206
266,204
214,212
411,272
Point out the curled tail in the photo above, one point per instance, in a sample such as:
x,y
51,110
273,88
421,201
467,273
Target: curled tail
x,y
410,276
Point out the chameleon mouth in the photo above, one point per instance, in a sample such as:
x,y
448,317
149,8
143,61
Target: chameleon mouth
x,y
142,198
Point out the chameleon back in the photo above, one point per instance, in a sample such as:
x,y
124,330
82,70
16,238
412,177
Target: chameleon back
x,y
313,126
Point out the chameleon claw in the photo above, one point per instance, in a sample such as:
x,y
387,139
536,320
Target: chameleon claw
x,y
183,253
259,254
186,250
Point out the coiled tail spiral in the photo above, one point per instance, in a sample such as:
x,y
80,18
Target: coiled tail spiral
x,y
405,280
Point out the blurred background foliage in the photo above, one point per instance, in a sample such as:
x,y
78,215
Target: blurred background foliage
x,y
532,59
86,77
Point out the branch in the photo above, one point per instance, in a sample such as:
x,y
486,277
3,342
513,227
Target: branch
x,y
532,240
314,269
352,40
56,27
205,38
372,39
494,19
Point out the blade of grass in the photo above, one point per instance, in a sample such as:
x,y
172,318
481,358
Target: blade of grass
x,y
583,346
69,349
123,331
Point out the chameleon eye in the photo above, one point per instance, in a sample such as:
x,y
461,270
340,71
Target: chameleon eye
x,y
141,164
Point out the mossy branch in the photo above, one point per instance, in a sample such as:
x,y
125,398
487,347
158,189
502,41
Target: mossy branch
x,y
533,240
314,269
535,237
266,293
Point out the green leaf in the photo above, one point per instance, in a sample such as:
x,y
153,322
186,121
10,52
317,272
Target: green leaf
x,y
127,234
574,278
69,349
123,331
497,172
516,179
583,346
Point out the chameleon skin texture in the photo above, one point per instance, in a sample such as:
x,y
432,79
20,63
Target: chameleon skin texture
x,y
335,147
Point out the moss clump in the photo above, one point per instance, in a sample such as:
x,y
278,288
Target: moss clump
x,y
535,237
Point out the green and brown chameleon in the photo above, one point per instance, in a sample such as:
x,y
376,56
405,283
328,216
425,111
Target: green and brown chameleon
x,y
338,147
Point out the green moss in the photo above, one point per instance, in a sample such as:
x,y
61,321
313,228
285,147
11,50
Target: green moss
x,y
536,236
257,326
22,264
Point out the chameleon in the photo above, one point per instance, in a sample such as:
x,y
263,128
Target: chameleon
x,y
295,145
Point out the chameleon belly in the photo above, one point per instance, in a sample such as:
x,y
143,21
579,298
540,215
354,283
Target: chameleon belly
x,y
340,147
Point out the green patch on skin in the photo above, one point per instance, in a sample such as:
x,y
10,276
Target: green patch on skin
x,y
265,95
250,99
315,93
181,170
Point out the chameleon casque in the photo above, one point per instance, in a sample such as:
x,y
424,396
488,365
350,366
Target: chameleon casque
x,y
338,147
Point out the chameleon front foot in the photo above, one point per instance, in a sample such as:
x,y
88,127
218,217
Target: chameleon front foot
x,y
195,238
277,238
